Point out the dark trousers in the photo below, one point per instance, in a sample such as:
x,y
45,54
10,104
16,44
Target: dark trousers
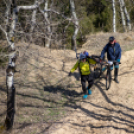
x,y
90,80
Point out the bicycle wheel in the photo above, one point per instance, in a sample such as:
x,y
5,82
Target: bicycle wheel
x,y
108,78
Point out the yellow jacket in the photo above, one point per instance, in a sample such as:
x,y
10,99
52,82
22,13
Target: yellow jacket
x,y
83,66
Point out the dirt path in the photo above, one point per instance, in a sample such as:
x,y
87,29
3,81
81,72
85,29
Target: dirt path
x,y
49,102
105,112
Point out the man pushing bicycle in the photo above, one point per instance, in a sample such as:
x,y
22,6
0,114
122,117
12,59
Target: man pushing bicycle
x,y
113,50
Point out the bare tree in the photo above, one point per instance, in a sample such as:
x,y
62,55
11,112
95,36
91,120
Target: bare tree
x,y
12,12
127,14
122,16
47,24
33,19
11,65
114,17
76,24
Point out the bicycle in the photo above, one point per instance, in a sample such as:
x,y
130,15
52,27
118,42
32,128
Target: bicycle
x,y
98,71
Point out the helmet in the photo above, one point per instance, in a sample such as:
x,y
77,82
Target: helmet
x,y
86,53
111,38
82,56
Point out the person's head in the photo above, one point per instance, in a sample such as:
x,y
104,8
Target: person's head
x,y
111,40
83,57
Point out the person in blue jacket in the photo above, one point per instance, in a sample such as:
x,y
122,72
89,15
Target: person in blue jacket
x,y
113,50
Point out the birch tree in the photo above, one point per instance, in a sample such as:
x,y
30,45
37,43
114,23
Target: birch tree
x,y
12,12
47,24
126,14
122,16
33,20
76,24
114,17
11,65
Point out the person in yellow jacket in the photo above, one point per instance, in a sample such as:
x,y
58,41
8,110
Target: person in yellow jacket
x,y
84,68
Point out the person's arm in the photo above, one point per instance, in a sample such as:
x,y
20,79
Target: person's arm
x,y
103,51
119,55
74,67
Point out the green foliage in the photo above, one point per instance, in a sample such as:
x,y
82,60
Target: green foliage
x,y
93,15
102,13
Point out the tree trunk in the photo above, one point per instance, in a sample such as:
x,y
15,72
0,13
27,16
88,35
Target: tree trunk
x,y
13,12
122,16
48,29
10,71
127,15
34,6
33,21
114,17
76,24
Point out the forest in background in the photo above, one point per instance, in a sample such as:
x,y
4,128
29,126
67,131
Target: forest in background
x,y
93,16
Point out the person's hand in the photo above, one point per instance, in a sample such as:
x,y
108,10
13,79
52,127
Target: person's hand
x,y
100,60
69,74
118,60
97,60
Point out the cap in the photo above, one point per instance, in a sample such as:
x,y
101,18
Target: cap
x,y
111,38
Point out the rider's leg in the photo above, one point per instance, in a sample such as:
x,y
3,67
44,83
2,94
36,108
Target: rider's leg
x,y
111,67
83,82
116,71
90,83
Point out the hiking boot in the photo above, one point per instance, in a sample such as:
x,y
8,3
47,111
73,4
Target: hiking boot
x,y
116,75
89,91
116,80
85,96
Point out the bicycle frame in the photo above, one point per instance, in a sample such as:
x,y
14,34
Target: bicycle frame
x,y
107,66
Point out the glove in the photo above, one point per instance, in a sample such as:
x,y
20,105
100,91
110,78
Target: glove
x,y
100,60
118,60
69,74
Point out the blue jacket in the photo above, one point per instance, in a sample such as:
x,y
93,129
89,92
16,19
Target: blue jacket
x,y
113,52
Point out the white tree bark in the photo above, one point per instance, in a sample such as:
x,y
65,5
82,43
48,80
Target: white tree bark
x,y
7,14
34,6
122,16
76,24
11,68
13,13
114,17
127,15
48,38
33,20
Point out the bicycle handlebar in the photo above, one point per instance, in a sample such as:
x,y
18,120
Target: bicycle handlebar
x,y
101,61
95,56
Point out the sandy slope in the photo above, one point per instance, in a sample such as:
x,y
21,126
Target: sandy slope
x,y
105,112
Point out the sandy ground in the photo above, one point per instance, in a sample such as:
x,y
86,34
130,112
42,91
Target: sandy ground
x,y
105,112
42,71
